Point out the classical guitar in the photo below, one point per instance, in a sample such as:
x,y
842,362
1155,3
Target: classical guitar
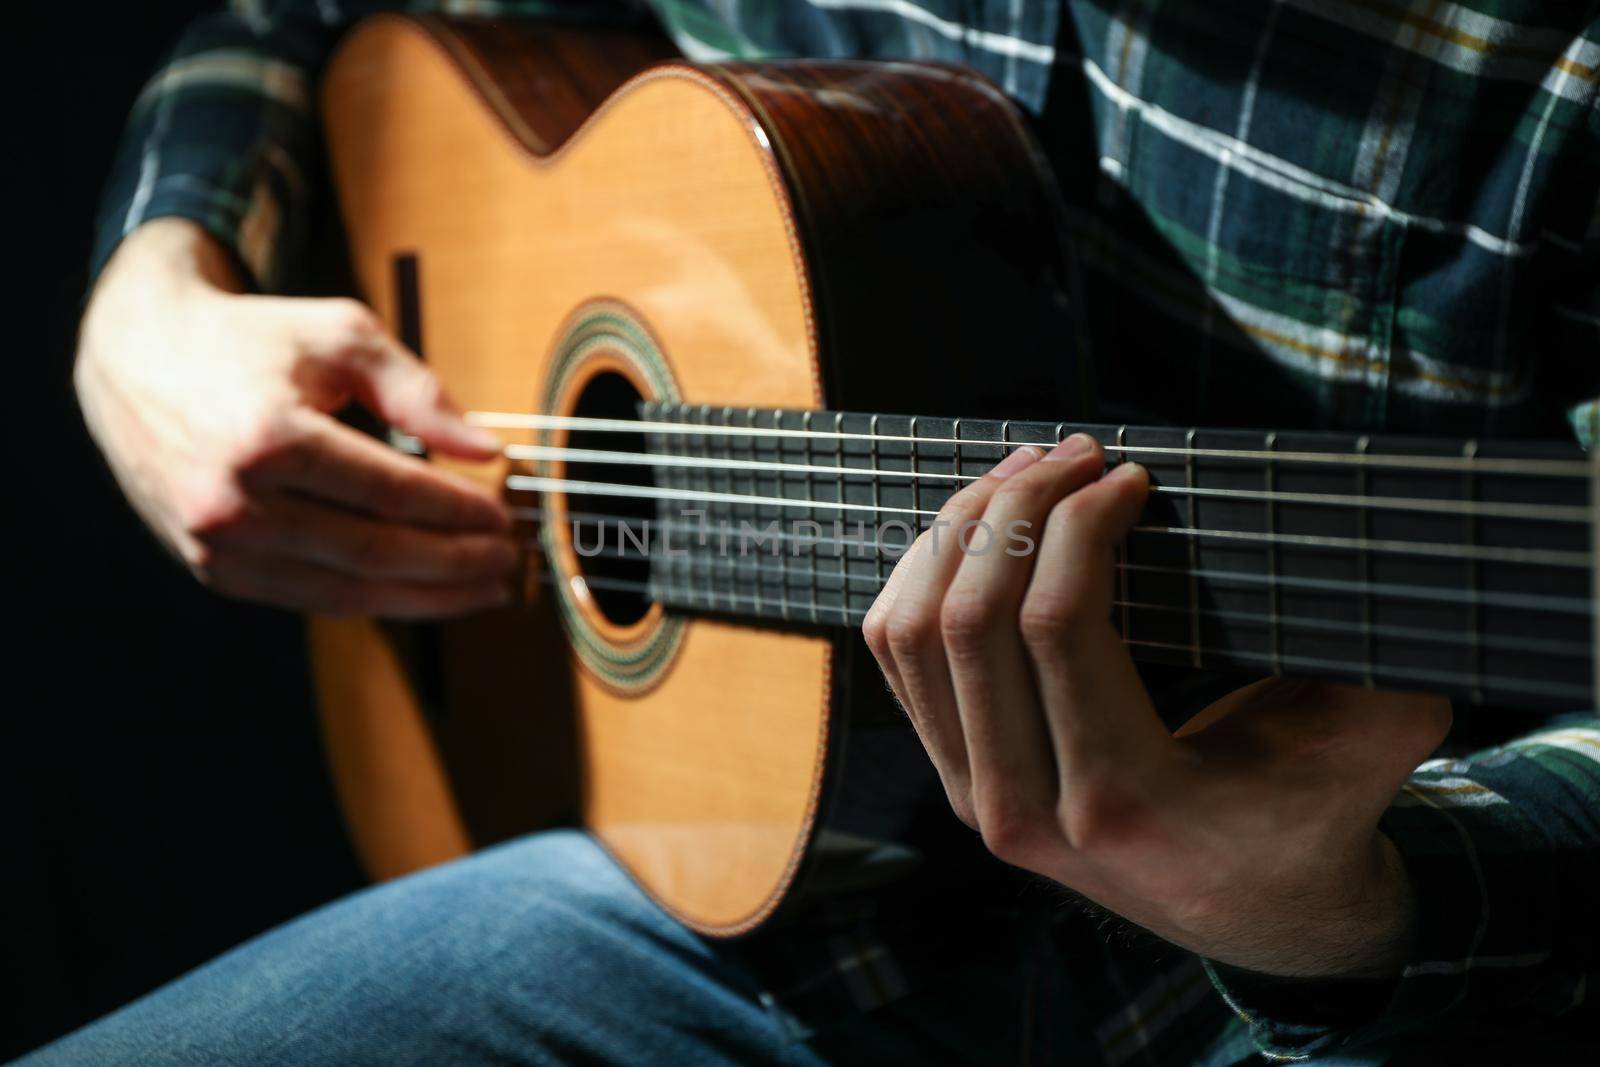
x,y
737,365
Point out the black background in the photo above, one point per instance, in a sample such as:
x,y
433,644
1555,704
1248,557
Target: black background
x,y
162,791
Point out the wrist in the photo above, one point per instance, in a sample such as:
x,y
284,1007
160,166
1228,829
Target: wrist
x,y
1357,924
170,258
1386,917
1363,930
157,277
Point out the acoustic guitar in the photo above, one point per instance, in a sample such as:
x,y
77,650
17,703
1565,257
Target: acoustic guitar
x,y
744,328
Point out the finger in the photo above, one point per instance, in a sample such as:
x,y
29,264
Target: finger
x,y
1097,709
914,642
333,462
874,625
1013,769
376,549
395,385
302,586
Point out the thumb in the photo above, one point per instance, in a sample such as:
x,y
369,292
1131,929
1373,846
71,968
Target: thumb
x,y
392,383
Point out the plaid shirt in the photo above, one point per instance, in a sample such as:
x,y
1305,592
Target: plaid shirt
x,y
1387,210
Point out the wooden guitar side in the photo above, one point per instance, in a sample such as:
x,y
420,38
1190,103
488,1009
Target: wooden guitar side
x,y
774,231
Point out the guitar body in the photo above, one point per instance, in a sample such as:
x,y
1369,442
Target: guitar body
x,y
551,229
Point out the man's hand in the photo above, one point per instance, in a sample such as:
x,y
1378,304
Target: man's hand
x,y
213,411
1250,837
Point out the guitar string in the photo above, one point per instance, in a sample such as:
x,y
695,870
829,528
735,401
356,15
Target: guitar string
x,y
1480,464
783,574
1535,602
1447,679
1489,553
1576,514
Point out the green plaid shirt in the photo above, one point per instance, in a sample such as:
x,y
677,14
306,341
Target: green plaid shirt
x,y
1367,213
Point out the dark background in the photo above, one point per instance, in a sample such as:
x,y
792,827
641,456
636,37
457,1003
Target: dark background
x,y
162,791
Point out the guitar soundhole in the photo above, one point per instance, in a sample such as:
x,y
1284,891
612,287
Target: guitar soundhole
x,y
600,525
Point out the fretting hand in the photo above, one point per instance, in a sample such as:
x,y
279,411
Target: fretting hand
x,y
213,410
1250,837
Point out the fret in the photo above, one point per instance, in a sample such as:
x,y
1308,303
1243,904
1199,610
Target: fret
x,y
704,445
811,513
695,479
873,460
1194,552
669,478
717,450
1364,566
755,509
916,468
1273,594
838,521
1005,439
686,476
730,524
1469,451
1122,558
677,479
781,489
715,516
956,469
652,443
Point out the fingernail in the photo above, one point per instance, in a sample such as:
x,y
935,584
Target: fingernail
x,y
1015,462
1076,445
1124,471
487,440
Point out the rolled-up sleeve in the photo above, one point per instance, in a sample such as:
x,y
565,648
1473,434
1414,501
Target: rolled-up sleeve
x,y
225,133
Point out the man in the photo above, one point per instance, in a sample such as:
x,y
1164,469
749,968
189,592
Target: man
x,y
1362,214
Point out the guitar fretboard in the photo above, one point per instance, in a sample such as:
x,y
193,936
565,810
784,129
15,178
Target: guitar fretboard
x,y
1454,566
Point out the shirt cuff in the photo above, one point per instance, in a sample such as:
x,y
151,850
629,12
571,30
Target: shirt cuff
x,y
249,232
1459,866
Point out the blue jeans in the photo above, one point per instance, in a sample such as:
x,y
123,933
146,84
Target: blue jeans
x,y
540,951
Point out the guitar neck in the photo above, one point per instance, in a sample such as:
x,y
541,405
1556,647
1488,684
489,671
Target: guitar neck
x,y
1454,566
